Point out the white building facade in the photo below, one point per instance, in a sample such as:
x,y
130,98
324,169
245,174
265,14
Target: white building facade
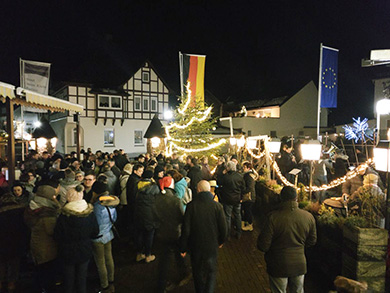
x,y
112,118
295,115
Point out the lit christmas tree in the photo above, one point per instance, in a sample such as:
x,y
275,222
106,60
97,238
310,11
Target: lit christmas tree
x,y
190,133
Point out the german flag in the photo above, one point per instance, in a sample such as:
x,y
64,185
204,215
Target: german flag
x,y
193,72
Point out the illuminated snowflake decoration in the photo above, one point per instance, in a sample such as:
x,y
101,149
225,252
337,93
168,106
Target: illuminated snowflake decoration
x,y
358,131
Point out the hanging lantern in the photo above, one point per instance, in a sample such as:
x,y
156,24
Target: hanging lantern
x,y
155,142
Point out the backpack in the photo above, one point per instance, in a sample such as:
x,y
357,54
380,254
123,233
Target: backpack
x,y
187,196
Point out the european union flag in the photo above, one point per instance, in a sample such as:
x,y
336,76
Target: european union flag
x,y
329,77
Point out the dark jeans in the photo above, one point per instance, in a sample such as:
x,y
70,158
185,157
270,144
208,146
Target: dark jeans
x,y
169,250
204,271
247,211
47,274
144,241
236,210
75,273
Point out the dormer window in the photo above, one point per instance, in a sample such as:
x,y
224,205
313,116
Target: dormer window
x,y
110,102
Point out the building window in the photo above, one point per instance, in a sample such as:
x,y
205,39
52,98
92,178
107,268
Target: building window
x,y
137,103
301,133
74,136
273,133
153,104
110,102
146,104
145,76
138,138
109,136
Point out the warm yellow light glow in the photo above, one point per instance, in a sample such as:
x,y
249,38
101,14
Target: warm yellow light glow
x,y
233,141
53,142
32,144
155,142
251,143
209,147
311,151
41,142
241,142
187,103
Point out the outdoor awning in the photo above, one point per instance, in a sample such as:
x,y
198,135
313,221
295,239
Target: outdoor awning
x,y
7,90
48,101
35,100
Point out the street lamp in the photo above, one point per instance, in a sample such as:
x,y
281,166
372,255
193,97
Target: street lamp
x,y
311,151
274,148
382,108
382,163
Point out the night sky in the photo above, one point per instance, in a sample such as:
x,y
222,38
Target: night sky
x,y
254,50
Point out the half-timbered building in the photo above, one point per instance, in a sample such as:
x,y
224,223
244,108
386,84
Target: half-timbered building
x,y
113,117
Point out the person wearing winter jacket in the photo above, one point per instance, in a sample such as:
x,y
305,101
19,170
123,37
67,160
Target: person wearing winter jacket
x,y
41,217
170,214
249,196
233,186
104,208
112,180
67,183
145,219
180,186
14,239
75,228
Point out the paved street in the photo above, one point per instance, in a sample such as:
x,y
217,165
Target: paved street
x,y
241,268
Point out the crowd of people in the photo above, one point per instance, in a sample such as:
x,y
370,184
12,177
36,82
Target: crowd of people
x,y
64,212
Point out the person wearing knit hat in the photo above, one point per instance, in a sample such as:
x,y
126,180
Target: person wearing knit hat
x,y
148,174
104,208
75,228
41,217
169,211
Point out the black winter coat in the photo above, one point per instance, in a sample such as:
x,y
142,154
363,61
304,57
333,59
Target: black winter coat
x,y
13,231
195,174
204,228
170,213
145,216
250,183
233,187
131,189
73,233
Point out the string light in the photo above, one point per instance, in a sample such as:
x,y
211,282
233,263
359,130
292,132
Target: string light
x,y
336,182
209,147
189,92
250,152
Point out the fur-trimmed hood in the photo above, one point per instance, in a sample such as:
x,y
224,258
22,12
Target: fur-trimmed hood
x,y
78,208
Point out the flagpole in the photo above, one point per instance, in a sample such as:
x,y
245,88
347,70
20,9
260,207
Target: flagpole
x,y
181,73
319,95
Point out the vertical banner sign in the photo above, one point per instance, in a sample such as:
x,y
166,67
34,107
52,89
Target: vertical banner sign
x,y
193,71
35,76
329,77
